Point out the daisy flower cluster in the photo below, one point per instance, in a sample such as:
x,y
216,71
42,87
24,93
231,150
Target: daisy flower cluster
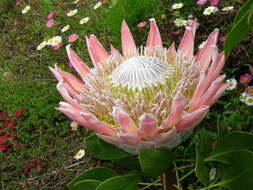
x,y
245,79
213,7
56,42
180,21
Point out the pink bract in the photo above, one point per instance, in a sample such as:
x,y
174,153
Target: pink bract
x,y
147,97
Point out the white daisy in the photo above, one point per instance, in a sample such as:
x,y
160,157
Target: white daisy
x,y
41,45
180,22
72,12
202,45
65,28
229,8
210,10
97,5
80,154
212,174
84,20
249,100
56,40
243,96
233,84
26,9
50,41
76,1
177,6
73,126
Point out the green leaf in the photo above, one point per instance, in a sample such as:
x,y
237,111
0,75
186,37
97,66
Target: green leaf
x,y
86,185
129,162
155,162
239,30
201,169
245,8
239,169
102,149
233,141
100,174
126,182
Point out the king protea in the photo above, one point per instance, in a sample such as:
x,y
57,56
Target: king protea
x,y
146,97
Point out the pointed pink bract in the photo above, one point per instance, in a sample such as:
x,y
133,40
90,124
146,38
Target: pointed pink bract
x,y
128,44
97,52
154,37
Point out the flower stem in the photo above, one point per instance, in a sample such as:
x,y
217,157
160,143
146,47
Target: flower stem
x,y
168,180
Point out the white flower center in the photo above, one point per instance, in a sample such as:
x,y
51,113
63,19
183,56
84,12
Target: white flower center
x,y
139,72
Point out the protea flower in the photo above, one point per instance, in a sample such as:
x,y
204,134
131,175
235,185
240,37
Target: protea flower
x,y
148,97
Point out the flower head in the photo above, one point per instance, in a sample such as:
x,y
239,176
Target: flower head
x,y
141,24
233,84
57,46
249,90
51,14
229,8
79,154
210,10
56,40
73,37
249,100
41,45
72,12
243,97
99,4
76,1
50,23
177,6
65,28
147,97
74,126
245,78
180,22
201,2
26,9
214,2
84,20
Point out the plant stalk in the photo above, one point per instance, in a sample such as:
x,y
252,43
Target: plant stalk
x,y
168,180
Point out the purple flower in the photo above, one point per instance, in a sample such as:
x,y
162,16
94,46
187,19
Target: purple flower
x,y
73,37
201,2
51,14
50,23
249,91
245,78
18,2
214,2
141,24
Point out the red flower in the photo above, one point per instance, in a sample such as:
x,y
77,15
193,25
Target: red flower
x,y
3,138
27,169
11,123
19,112
3,116
2,147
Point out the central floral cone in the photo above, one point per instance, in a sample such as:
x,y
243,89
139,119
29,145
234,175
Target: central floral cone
x,y
148,97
